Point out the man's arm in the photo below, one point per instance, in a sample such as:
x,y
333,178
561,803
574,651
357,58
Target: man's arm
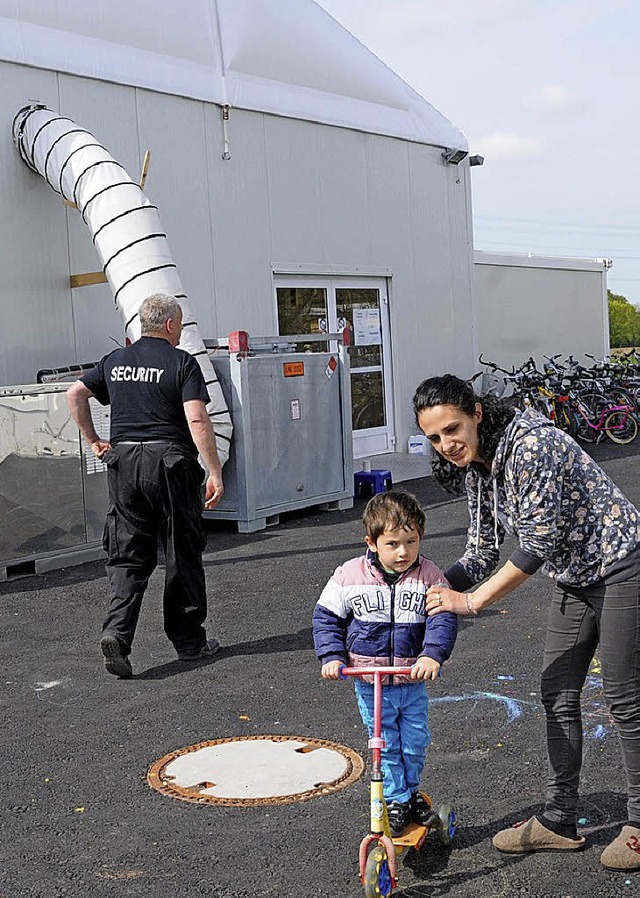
x,y
78,396
203,436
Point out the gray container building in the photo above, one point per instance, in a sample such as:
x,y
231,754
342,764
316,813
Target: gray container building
x,y
301,184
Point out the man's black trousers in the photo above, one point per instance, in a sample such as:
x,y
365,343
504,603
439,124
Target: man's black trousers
x,y
155,491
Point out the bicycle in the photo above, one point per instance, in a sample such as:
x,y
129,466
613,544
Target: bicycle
x,y
616,421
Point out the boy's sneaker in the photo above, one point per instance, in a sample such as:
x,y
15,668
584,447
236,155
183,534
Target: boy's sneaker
x,y
420,809
399,814
210,648
115,660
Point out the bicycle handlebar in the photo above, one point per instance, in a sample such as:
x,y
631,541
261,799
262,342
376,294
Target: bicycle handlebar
x,y
495,367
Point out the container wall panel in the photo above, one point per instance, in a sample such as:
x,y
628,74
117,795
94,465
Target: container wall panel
x,y
461,253
239,209
109,112
296,193
438,336
391,247
344,205
173,129
36,319
523,311
389,201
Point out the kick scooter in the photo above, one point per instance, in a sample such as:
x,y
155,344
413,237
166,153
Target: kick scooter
x,y
378,849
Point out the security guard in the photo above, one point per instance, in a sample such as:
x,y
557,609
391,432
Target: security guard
x,y
159,424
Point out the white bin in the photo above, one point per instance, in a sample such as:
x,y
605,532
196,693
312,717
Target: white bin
x,y
418,444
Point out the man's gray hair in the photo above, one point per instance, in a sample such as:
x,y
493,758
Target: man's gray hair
x,y
155,310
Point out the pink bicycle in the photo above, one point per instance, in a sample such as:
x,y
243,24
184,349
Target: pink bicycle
x,y
593,421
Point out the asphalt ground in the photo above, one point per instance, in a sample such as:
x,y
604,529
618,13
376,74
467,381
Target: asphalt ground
x,y
78,818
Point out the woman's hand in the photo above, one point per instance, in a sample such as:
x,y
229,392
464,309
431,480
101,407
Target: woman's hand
x,y
441,598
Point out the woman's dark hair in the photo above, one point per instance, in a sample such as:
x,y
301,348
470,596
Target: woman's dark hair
x,y
451,390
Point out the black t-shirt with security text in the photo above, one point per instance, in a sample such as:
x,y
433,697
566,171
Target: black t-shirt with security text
x,y
146,385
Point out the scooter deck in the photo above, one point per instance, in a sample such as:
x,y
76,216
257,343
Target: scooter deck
x,y
413,837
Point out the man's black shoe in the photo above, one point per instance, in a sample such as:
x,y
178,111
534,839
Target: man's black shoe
x,y
210,648
115,661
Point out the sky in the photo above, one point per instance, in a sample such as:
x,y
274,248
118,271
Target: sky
x,y
548,91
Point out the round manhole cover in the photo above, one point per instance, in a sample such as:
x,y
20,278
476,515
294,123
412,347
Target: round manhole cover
x,y
255,770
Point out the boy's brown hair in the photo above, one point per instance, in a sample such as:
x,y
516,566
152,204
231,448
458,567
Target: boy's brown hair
x,y
395,510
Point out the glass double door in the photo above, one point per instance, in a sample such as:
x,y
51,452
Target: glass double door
x,y
316,305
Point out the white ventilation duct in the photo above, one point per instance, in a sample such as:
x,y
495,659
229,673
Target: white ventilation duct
x,y
126,231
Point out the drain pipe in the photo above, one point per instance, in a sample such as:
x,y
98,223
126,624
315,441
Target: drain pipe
x,y
126,230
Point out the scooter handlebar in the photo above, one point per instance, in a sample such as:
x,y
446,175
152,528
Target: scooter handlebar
x,y
368,671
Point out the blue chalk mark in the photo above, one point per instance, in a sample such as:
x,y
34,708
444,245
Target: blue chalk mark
x,y
514,707
599,732
499,677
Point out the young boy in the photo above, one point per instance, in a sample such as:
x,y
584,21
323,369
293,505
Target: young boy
x,y
372,612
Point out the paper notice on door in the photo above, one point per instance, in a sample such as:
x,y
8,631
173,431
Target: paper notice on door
x,y
366,327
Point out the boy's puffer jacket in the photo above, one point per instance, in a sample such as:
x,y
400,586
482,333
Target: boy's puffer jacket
x,y
362,620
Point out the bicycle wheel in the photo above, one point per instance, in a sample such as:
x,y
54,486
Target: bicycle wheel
x,y
585,432
564,419
594,402
543,407
588,409
621,427
377,878
623,396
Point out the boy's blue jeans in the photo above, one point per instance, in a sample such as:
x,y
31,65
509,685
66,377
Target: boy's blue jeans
x,y
406,731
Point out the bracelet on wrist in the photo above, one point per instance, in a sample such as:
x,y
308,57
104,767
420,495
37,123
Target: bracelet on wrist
x,y
470,607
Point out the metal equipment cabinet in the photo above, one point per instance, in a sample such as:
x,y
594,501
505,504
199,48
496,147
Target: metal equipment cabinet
x,y
292,444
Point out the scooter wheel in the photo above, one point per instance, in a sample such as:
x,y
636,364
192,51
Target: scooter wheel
x,y
377,878
448,823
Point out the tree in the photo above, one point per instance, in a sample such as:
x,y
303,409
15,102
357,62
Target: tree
x,y
624,321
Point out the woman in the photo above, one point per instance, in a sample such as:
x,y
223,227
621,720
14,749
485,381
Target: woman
x,y
523,474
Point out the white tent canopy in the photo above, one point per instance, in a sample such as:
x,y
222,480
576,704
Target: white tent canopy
x,y
285,57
